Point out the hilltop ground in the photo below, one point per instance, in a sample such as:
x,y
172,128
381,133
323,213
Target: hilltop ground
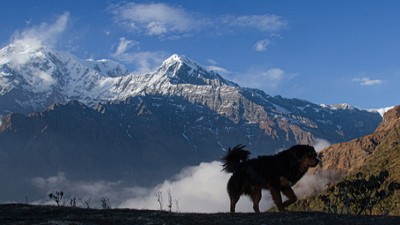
x,y
17,214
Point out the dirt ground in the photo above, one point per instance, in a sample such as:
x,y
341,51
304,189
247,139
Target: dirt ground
x,y
16,214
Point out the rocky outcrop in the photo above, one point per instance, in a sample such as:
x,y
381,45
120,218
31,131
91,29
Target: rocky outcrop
x,y
344,158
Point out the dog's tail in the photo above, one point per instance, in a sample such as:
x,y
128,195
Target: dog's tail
x,y
234,157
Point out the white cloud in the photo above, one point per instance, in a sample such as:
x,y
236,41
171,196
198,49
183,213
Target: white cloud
x,y
199,188
94,190
26,42
261,45
43,35
215,68
218,69
124,45
41,81
274,74
366,81
212,61
160,19
143,61
30,40
321,144
264,23
5,83
262,79
154,18
310,184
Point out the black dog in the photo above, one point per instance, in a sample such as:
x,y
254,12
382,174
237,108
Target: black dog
x,y
275,172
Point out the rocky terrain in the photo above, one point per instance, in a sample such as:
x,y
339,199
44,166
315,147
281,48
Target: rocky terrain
x,y
28,214
371,154
347,157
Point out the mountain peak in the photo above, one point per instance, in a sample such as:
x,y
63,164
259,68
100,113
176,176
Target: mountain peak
x,y
174,57
179,60
17,54
181,69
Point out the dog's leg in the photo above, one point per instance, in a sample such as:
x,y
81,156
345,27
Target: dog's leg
x,y
234,200
256,197
276,196
235,190
292,198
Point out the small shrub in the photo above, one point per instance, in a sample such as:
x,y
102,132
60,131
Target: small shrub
x,y
72,202
57,197
85,202
360,195
170,202
160,199
105,203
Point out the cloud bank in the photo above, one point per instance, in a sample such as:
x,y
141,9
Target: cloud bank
x,y
43,35
265,79
34,38
196,189
154,19
160,19
199,188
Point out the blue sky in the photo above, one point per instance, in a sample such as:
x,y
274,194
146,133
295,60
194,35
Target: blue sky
x,y
323,51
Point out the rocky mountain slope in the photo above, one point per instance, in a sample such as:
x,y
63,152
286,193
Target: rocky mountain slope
x,y
344,158
369,155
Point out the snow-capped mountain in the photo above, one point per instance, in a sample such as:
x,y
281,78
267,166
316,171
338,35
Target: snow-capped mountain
x,y
44,77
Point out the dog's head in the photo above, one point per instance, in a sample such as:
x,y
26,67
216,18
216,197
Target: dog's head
x,y
307,156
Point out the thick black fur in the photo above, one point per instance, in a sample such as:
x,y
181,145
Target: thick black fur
x,y
274,172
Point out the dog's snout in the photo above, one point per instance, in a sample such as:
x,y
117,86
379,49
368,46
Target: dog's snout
x,y
319,159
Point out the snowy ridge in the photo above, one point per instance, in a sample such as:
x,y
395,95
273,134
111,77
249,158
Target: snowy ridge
x,y
339,106
51,75
45,77
106,67
381,111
